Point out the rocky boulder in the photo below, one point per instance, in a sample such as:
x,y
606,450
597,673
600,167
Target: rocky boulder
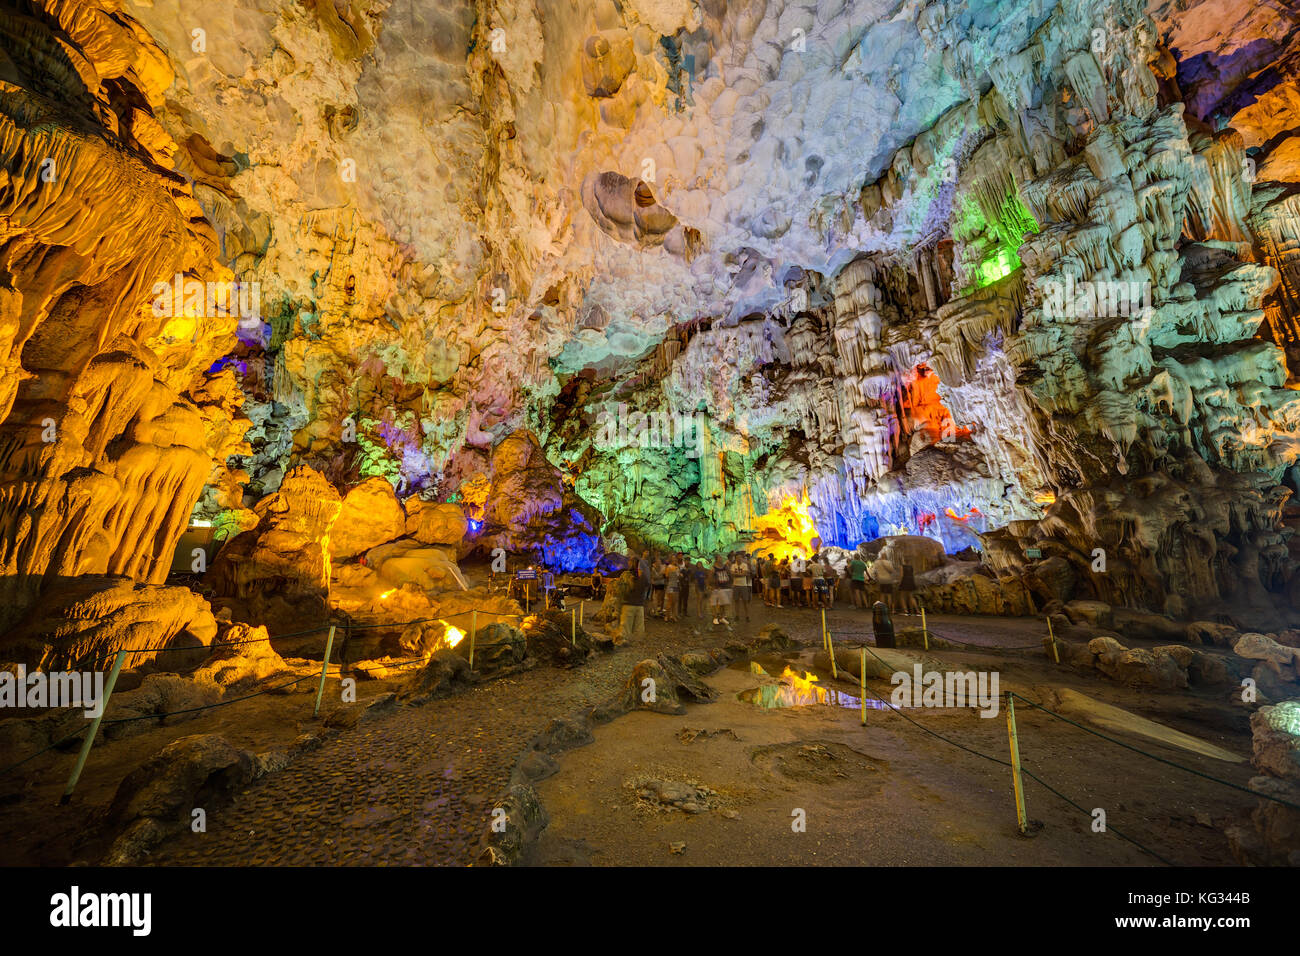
x,y
1275,731
1261,647
444,674
278,574
922,553
1094,614
1211,633
240,653
662,684
497,646
1270,836
370,516
410,562
157,798
432,523
1275,673
963,588
1051,579
516,823
83,623
160,698
553,638
1161,667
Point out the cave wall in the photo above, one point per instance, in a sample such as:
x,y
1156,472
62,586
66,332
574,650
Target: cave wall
x,y
109,424
833,237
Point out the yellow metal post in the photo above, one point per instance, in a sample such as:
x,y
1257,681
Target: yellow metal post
x,y
473,635
324,668
925,630
581,607
862,682
1056,655
573,621
830,646
1021,820
823,628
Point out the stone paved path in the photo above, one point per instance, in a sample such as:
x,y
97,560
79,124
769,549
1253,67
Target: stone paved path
x,y
416,786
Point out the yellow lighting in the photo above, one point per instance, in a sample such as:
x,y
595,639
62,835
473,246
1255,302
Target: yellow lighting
x,y
788,531
802,690
1045,498
453,636
384,596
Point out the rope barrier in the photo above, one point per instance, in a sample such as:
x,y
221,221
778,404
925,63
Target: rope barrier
x,y
1109,829
220,703
223,703
988,647
1156,757
57,743
934,633
1004,763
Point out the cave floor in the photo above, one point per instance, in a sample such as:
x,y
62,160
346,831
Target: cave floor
x,y
416,785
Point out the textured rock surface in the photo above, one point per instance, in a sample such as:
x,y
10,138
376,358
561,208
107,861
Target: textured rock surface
x,y
110,422
157,797
84,622
1015,277
281,568
1271,836
371,515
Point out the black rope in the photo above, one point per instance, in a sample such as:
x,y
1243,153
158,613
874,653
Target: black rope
x,y
1139,750
1000,762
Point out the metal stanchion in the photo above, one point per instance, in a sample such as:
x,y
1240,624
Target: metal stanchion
x,y
324,668
94,729
473,635
862,682
1021,820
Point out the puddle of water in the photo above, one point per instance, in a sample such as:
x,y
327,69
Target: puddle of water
x,y
792,690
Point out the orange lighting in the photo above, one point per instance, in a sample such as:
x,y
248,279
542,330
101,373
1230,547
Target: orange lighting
x,y
453,636
1045,497
919,396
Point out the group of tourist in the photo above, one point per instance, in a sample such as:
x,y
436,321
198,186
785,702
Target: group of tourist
x,y
663,586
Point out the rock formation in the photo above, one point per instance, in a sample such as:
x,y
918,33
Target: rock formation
x,y
372,288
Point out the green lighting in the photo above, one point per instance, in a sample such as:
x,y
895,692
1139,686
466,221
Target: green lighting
x,y
1000,265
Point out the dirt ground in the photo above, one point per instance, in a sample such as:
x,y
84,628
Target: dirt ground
x,y
888,793
417,786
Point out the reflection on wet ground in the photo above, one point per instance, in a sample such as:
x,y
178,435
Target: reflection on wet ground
x,y
793,690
